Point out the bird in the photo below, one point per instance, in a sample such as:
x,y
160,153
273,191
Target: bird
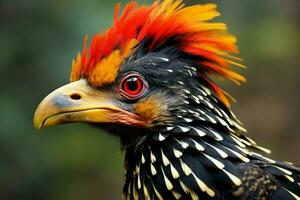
x,y
149,79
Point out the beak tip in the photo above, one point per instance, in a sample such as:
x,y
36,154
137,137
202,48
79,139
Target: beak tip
x,y
38,122
37,125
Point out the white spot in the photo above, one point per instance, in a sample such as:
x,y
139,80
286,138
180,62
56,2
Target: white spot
x,y
167,182
222,121
196,114
289,178
184,187
137,169
153,170
218,112
220,152
184,129
252,141
129,186
212,120
206,90
245,151
202,92
283,170
201,118
226,116
170,128
237,126
195,98
191,111
163,59
177,153
161,137
204,187
199,132
188,120
209,104
174,172
200,183
157,193
164,158
186,102
186,91
201,111
267,151
200,97
186,169
198,146
233,178
245,142
143,158
217,163
152,157
170,70
232,114
194,195
183,144
147,197
180,82
218,136
197,101
240,156
237,141
139,181
176,195
294,195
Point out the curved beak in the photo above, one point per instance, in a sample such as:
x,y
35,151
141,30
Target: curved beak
x,y
78,102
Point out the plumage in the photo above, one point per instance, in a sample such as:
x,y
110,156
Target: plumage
x,y
147,79
156,24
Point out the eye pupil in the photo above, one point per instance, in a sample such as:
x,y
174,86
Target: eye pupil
x,y
132,84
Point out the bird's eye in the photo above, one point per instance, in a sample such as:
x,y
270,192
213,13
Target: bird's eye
x,y
133,86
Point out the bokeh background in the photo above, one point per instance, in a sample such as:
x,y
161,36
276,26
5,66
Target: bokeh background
x,y
38,40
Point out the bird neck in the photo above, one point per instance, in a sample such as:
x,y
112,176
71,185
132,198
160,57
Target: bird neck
x,y
203,133
165,157
171,150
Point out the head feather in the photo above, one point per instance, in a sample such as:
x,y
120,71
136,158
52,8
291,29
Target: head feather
x,y
159,22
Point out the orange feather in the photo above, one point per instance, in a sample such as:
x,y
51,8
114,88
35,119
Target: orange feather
x,y
101,60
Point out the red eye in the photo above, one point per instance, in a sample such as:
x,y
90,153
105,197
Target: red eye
x,y
133,86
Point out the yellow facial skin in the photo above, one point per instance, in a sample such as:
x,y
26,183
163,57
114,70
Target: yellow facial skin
x,y
78,102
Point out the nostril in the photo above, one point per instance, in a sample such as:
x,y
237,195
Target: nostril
x,y
75,96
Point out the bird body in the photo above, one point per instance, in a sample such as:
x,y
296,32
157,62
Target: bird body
x,y
148,79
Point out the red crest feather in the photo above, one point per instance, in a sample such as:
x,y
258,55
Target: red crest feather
x,y
100,62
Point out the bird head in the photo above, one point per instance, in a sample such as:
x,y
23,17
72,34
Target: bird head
x,y
151,69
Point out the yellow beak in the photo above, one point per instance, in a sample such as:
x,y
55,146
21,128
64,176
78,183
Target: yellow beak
x,y
78,102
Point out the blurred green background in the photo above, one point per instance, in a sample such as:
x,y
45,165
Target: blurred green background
x,y
38,40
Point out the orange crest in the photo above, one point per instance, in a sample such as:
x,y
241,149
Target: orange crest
x,y
101,61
